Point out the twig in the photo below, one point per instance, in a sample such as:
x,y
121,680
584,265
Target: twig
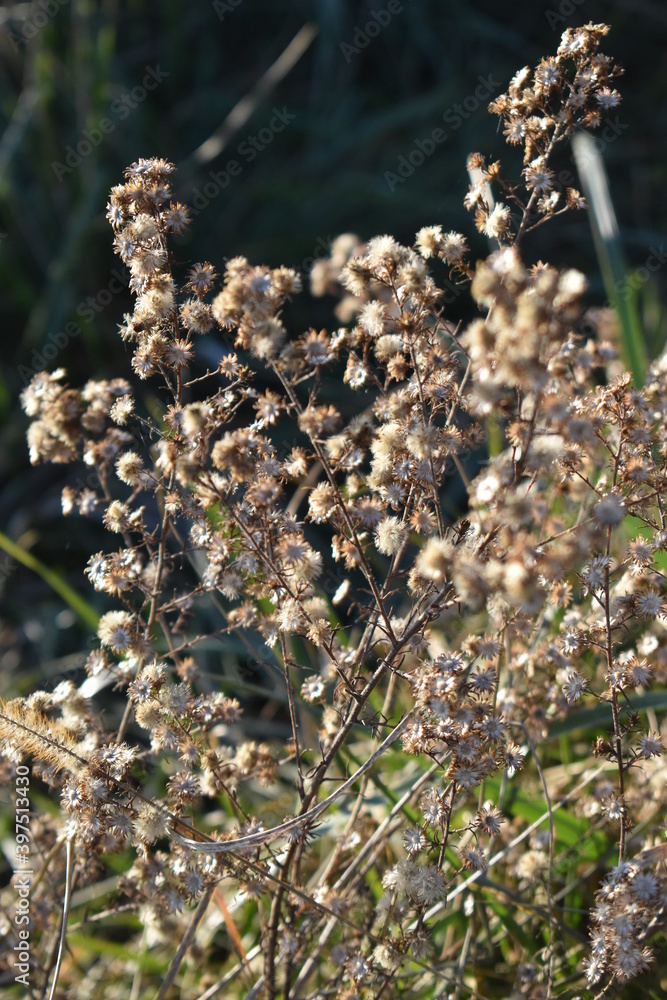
x,y
66,906
184,947
306,818
244,108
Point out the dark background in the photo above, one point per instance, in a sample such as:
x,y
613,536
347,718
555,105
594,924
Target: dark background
x,y
66,67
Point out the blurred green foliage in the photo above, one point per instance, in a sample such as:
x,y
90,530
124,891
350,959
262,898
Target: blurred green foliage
x,y
87,87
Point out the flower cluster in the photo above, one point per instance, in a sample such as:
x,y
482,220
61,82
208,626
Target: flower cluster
x,y
451,534
542,108
630,907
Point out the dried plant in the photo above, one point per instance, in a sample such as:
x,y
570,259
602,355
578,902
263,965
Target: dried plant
x,y
452,831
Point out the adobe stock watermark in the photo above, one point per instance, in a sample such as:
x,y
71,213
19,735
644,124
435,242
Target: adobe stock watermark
x,y
607,133
86,310
6,569
639,276
120,108
40,15
23,874
426,146
450,291
627,286
247,151
565,9
222,7
321,251
364,34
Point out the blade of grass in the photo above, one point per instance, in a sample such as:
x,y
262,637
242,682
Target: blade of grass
x,y
78,604
232,929
610,252
599,715
103,946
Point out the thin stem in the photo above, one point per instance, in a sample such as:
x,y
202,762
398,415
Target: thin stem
x,y
69,878
368,573
618,737
292,715
185,944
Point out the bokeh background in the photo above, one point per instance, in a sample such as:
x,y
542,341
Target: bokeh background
x,y
317,109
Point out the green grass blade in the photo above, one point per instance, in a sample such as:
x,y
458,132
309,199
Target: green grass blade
x,y
610,253
78,604
600,715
